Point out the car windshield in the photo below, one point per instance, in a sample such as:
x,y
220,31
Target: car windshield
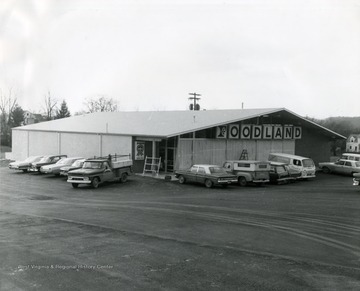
x,y
92,165
29,159
77,163
217,170
63,161
308,163
45,160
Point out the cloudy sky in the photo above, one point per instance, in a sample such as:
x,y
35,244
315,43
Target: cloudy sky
x,y
303,55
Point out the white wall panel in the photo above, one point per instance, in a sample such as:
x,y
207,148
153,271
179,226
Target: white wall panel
x,y
216,151
19,144
43,143
112,144
80,145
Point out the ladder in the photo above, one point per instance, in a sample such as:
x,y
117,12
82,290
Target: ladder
x,y
152,165
244,155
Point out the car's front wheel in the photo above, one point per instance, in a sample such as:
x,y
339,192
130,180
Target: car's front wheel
x,y
326,170
182,179
75,185
123,178
242,181
95,182
208,183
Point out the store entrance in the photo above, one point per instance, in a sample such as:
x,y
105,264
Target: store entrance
x,y
167,154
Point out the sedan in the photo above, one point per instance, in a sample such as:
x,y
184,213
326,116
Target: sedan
x,y
25,164
46,160
74,166
55,168
209,175
345,167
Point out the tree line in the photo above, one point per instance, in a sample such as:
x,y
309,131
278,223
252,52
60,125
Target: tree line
x,y
13,115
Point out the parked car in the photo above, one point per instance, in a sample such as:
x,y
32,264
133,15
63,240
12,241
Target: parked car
x,y
46,160
209,175
25,164
345,167
350,156
356,179
304,165
55,168
248,171
74,166
279,173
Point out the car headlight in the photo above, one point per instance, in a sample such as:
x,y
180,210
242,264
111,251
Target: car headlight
x,y
86,178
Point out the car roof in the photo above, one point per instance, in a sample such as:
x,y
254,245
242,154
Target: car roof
x,y
289,156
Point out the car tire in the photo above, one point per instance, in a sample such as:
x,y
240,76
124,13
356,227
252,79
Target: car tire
x,y
75,185
123,178
95,182
25,170
326,170
208,183
182,179
242,181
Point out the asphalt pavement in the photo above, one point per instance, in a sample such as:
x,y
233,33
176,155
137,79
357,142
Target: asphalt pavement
x,y
151,234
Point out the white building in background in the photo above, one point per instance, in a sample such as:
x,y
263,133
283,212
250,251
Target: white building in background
x,y
353,143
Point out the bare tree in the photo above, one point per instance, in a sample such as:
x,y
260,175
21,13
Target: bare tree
x,y
50,105
101,104
8,102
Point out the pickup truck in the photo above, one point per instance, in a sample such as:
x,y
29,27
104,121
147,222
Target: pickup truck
x,y
248,171
103,169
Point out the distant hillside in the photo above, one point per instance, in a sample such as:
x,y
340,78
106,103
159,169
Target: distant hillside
x,y
342,125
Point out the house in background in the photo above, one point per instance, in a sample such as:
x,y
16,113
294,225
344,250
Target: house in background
x,y
353,143
31,118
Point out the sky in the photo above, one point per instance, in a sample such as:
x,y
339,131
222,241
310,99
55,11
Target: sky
x,y
303,55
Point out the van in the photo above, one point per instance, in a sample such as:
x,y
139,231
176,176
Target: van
x,y
305,166
351,157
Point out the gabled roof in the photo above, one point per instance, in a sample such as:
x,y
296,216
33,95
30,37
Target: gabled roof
x,y
155,123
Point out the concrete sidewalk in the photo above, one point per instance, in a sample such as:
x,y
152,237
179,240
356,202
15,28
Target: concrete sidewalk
x,y
160,176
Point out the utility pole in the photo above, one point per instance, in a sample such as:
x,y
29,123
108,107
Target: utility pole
x,y
194,106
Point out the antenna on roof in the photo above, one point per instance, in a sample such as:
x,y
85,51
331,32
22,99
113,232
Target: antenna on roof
x,y
194,106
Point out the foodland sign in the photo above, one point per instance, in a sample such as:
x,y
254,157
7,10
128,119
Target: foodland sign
x,y
266,131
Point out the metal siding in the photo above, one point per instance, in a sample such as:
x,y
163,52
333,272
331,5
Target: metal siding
x,y
116,145
210,151
314,146
19,145
43,143
80,145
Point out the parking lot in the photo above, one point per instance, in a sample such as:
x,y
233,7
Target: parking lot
x,y
151,234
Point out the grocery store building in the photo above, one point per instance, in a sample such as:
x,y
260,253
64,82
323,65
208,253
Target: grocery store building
x,y
179,138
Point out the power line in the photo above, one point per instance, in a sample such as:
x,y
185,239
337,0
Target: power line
x,y
194,97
